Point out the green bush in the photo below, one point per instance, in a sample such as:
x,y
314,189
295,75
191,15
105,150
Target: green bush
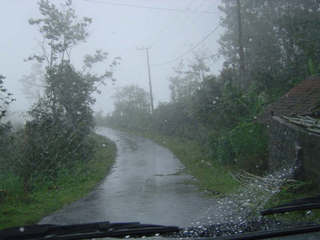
x,y
244,146
221,149
48,148
249,144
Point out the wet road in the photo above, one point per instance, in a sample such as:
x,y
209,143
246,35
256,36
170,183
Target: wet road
x,y
145,184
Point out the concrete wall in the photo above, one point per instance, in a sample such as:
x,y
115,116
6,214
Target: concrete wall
x,y
291,145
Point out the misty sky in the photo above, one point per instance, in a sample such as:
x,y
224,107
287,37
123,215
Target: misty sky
x,y
119,30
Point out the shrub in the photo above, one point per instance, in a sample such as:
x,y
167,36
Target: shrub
x,y
249,143
244,146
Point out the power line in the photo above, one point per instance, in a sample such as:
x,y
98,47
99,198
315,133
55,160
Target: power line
x,y
148,7
185,20
165,9
168,23
191,49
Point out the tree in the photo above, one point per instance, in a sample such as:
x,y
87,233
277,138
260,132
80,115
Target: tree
x,y
132,107
99,118
57,137
33,84
61,30
5,98
6,150
187,79
279,39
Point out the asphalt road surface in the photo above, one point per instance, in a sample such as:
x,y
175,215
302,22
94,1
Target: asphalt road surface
x,y
146,184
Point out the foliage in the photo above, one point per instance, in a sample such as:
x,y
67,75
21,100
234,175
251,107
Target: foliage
x,y
5,97
280,46
187,79
7,149
211,176
19,208
243,146
279,38
61,121
312,68
292,191
61,31
99,118
212,112
6,136
132,108
57,136
33,83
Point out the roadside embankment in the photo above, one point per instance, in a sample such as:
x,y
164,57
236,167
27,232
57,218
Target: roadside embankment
x,y
211,176
19,208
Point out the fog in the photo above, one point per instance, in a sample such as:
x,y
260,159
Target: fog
x,y
172,30
219,144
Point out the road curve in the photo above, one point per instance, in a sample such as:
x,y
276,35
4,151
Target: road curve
x,y
145,184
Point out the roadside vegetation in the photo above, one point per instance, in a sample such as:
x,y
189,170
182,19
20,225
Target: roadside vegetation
x,y
22,208
212,178
55,157
213,119
292,191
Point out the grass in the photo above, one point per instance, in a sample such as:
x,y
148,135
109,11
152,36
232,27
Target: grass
x,y
293,191
211,176
17,208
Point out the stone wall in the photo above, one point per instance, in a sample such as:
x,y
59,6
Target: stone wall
x,y
291,145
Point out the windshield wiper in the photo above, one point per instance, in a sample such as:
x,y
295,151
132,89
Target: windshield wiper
x,y
300,204
271,233
130,229
85,231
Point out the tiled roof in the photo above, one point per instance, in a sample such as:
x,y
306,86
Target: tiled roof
x,y
308,123
303,99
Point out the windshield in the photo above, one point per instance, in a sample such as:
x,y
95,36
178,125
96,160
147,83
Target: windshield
x,y
197,114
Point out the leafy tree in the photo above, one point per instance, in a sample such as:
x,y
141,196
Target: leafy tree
x,y
206,99
33,84
187,79
61,30
62,118
6,146
172,119
99,118
68,92
5,97
279,39
132,108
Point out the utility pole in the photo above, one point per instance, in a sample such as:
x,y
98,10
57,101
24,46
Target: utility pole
x,y
149,77
241,51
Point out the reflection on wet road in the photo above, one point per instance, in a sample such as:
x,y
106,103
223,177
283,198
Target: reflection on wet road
x,y
145,184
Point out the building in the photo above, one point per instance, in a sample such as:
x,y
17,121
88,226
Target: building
x,y
293,124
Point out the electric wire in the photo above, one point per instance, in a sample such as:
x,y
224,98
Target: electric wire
x,y
168,23
147,7
166,9
192,22
189,50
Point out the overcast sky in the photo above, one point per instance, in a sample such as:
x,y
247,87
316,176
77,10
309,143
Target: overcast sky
x,y
119,27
